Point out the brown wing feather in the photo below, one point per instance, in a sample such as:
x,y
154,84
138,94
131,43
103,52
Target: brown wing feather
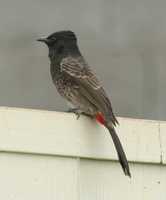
x,y
78,69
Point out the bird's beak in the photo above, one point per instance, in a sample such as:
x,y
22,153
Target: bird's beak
x,y
45,40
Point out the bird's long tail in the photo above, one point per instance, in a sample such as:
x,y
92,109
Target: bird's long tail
x,y
121,154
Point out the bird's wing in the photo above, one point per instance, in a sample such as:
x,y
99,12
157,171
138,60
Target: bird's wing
x,y
89,83
78,68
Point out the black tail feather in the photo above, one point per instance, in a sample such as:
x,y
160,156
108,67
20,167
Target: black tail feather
x,y
121,154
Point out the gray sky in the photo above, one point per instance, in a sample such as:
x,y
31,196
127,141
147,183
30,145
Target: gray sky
x,y
123,41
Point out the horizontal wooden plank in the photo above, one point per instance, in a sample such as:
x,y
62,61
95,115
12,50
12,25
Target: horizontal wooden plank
x,y
104,180
28,177
57,133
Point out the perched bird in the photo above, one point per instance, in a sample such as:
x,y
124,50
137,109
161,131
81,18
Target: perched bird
x,y
76,82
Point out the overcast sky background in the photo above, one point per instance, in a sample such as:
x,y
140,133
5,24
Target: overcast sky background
x,y
124,41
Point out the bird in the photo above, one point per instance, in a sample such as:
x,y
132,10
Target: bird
x,y
78,84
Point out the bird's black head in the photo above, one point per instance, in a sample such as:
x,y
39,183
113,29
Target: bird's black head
x,y
61,44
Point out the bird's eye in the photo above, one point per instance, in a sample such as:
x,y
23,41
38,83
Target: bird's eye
x,y
52,41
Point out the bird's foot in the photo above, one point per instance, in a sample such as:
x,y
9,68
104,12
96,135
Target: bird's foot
x,y
76,111
88,115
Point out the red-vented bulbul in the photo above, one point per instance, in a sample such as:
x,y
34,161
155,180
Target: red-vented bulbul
x,y
76,82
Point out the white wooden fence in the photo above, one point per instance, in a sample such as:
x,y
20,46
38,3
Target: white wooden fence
x,y
48,155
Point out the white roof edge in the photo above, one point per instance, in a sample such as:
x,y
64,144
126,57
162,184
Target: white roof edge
x,y
57,133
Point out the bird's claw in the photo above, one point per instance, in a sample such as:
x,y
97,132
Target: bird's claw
x,y
78,115
76,111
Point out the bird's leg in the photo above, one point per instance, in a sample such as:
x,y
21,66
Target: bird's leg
x,y
88,115
76,111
